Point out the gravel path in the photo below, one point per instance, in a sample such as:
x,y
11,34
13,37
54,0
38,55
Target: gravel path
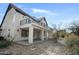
x,y
46,47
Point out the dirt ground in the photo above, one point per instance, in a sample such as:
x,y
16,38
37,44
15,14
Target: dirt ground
x,y
46,47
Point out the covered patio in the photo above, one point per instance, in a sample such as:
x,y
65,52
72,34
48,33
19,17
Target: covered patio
x,y
33,34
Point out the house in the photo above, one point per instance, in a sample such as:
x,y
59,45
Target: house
x,y
21,26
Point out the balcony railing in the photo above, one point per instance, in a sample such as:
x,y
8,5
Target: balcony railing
x,y
25,21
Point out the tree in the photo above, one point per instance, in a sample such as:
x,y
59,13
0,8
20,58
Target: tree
x,y
75,28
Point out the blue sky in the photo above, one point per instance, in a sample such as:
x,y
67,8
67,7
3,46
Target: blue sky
x,y
55,13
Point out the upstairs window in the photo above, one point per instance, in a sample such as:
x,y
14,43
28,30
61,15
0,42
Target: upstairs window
x,y
42,24
29,21
22,22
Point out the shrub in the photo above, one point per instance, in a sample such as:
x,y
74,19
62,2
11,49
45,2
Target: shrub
x,y
5,43
72,40
1,38
72,43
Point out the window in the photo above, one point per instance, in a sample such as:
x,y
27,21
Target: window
x,y
42,24
24,33
29,21
22,22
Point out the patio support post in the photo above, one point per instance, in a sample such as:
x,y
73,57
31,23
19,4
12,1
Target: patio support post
x,y
42,34
46,34
30,35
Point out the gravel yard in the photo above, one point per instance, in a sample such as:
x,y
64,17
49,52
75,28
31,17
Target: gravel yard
x,y
46,47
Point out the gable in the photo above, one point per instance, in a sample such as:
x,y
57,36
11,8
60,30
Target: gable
x,y
9,17
43,20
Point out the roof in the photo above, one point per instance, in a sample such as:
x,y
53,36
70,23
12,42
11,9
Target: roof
x,y
20,11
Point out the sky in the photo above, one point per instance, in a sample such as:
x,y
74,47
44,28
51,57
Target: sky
x,y
60,14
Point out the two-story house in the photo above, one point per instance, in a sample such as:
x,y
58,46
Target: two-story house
x,y
21,26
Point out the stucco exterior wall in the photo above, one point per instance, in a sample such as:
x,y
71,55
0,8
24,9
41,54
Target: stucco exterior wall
x,y
17,30
8,25
50,34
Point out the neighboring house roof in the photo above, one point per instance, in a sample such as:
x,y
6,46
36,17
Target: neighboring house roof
x,y
22,12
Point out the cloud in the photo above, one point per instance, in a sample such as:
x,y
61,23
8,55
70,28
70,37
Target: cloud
x,y
43,11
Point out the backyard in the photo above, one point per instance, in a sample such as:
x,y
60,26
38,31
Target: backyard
x,y
46,47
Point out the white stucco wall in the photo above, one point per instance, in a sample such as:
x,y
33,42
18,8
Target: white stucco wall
x,y
17,31
8,25
18,18
50,34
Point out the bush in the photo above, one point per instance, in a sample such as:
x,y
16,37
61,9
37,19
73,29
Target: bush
x,y
72,43
72,40
5,43
1,38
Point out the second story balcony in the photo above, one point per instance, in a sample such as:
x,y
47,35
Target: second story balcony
x,y
28,22
25,21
